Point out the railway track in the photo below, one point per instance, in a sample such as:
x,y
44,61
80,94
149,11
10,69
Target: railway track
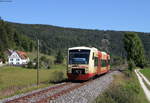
x,y
51,93
48,94
41,95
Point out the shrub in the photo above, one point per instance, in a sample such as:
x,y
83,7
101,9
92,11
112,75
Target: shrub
x,y
127,91
119,94
44,62
59,58
30,65
131,65
57,76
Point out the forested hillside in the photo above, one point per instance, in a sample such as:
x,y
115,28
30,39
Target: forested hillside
x,y
11,39
52,38
58,38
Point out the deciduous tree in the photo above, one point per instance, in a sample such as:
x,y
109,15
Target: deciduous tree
x,y
59,57
134,49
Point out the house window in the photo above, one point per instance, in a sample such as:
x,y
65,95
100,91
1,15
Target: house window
x,y
11,59
17,59
17,63
11,62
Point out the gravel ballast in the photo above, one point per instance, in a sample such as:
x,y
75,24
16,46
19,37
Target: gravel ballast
x,y
88,92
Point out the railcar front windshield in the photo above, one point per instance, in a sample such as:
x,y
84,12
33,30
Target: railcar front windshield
x,y
79,56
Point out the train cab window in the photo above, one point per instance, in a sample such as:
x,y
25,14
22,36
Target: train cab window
x,y
103,63
109,62
95,61
79,56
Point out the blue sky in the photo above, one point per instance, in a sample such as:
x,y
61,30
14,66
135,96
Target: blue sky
x,y
128,15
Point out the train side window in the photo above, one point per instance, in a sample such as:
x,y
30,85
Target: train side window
x,y
96,61
93,56
103,63
109,62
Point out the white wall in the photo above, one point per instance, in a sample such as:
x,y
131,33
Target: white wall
x,y
1,62
14,59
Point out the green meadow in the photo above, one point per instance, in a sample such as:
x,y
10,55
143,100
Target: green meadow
x,y
146,72
20,78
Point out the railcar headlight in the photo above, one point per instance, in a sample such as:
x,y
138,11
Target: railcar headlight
x,y
86,70
69,70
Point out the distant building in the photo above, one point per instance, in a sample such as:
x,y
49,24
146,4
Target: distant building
x,y
1,61
18,58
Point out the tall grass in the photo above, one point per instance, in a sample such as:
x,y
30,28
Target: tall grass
x,y
57,76
18,77
146,72
124,89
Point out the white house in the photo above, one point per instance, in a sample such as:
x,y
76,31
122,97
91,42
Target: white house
x,y
18,58
1,62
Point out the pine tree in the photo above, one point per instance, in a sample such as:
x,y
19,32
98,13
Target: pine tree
x,y
59,57
134,49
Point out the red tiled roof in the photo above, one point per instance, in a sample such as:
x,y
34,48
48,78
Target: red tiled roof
x,y
23,55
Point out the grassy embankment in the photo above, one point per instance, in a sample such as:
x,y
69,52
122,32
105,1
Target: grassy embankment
x,y
124,89
146,72
14,80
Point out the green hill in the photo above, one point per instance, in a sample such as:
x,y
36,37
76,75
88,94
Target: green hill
x,y
55,38
11,39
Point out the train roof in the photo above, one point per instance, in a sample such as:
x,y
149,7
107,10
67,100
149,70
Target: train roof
x,y
88,48
103,52
82,47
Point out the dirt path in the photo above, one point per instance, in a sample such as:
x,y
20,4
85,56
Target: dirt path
x,y
141,79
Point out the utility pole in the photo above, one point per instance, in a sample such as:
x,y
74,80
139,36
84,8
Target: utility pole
x,y
37,62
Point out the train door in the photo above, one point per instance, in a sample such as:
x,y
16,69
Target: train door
x,y
96,65
108,63
99,63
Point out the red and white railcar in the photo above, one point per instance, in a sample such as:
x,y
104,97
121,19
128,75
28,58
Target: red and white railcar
x,y
86,62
